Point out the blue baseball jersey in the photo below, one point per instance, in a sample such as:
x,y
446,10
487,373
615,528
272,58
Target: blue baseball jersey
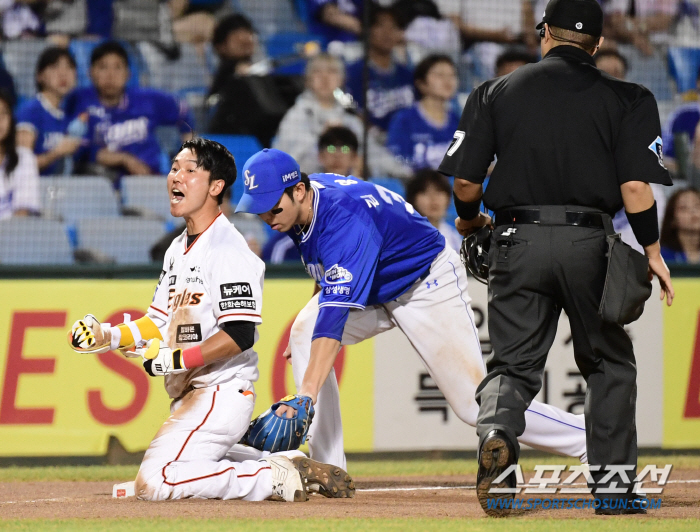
x,y
417,141
330,33
684,120
48,124
129,126
389,90
365,246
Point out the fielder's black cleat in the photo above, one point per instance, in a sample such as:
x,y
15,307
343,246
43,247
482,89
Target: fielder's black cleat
x,y
496,454
325,479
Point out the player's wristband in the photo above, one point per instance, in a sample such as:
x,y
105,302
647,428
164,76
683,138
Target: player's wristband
x,y
467,210
645,225
192,357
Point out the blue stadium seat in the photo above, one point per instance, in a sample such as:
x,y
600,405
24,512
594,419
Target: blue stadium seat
x,y
242,147
72,198
147,194
390,183
270,16
287,44
20,59
127,240
683,65
34,241
82,50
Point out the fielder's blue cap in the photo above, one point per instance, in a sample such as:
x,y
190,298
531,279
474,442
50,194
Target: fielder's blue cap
x,y
266,174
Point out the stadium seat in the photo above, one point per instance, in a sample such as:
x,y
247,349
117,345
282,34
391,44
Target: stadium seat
x,y
390,183
148,195
20,59
127,240
82,50
185,74
683,65
72,198
651,71
289,44
34,241
242,147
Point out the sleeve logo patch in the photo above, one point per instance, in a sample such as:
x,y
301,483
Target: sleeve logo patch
x,y
337,291
172,280
337,275
191,332
658,148
162,274
230,290
235,304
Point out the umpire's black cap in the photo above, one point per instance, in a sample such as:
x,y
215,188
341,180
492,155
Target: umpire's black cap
x,y
582,16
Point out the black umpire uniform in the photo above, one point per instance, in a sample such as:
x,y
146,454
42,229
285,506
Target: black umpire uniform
x,y
566,137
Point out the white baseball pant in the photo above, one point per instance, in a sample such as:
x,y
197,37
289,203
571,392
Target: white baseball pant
x,y
188,457
436,316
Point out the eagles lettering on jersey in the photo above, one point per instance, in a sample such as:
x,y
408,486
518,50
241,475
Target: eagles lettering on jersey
x,y
373,243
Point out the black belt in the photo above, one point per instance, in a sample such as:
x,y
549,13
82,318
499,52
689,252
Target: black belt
x,y
533,216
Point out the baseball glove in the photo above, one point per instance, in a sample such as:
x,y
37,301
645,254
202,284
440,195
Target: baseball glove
x,y
475,253
270,432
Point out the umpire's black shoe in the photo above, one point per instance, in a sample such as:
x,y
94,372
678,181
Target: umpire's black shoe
x,y
496,453
325,479
631,508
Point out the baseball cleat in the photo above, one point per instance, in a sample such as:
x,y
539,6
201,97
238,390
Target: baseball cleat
x,y
287,482
325,479
496,454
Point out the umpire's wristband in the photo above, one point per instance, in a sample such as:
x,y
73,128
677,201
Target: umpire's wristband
x,y
467,210
645,225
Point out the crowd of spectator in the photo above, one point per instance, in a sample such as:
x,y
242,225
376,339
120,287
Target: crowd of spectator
x,y
392,116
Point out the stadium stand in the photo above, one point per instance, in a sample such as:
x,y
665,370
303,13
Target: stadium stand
x,y
25,241
147,197
123,240
242,147
20,60
73,198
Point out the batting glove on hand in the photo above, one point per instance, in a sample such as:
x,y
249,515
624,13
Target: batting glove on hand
x,y
159,359
90,336
270,432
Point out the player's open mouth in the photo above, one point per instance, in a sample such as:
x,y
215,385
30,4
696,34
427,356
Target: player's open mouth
x,y
176,196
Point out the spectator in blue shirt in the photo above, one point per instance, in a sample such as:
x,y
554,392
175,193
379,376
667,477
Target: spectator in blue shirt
x,y
41,122
680,230
421,134
390,83
122,121
336,20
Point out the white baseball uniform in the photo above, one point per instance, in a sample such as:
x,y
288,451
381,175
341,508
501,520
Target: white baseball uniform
x,y
436,316
214,280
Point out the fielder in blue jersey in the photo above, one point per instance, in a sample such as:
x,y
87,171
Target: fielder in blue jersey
x,y
377,264
122,121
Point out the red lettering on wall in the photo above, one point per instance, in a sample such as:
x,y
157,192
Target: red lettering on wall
x,y
17,365
692,399
138,378
280,365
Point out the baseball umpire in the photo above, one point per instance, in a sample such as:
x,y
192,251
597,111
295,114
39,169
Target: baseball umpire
x,y
573,145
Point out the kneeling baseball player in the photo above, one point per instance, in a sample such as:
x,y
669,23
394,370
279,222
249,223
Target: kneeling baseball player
x,y
378,264
199,333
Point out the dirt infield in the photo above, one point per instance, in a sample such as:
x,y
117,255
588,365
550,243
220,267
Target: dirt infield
x,y
377,497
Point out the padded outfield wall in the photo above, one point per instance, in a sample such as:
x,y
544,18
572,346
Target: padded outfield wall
x,y
54,402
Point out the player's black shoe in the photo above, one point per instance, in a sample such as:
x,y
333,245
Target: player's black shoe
x,y
325,479
496,454
632,508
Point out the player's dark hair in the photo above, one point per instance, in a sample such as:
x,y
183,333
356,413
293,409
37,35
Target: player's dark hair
x,y
423,179
289,191
514,56
585,41
669,231
106,48
50,57
338,136
215,159
230,24
423,68
612,53
9,143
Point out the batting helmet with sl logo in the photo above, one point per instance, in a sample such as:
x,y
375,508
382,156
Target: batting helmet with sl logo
x,y
475,253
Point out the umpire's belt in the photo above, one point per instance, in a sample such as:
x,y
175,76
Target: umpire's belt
x,y
550,215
